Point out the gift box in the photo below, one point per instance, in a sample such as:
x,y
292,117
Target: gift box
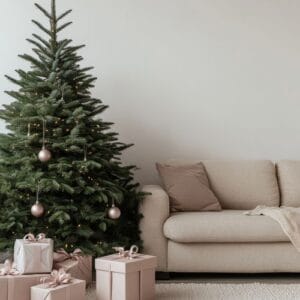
x,y
125,278
78,265
33,255
17,287
71,291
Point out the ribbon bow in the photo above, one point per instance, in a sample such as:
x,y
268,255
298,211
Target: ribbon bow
x,y
131,253
61,255
57,278
32,239
9,268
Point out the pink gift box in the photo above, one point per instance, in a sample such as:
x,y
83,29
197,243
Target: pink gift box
x,y
120,278
18,287
72,291
80,268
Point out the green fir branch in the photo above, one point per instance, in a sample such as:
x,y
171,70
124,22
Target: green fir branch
x,y
44,11
39,25
64,26
43,41
64,14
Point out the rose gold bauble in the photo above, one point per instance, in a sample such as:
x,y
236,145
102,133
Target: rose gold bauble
x,y
114,212
37,210
44,155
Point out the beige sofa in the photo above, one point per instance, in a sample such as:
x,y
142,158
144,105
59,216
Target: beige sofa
x,y
226,241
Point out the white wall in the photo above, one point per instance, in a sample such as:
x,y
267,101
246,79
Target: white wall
x,y
205,79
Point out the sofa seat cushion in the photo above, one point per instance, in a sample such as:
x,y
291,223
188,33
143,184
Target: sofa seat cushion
x,y
230,226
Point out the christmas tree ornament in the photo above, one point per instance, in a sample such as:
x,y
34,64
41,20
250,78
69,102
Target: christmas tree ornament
x,y
44,154
114,212
37,209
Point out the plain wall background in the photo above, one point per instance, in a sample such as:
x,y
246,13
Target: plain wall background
x,y
208,79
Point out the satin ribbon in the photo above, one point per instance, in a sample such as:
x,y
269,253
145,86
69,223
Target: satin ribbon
x,y
32,239
9,268
131,253
62,255
57,278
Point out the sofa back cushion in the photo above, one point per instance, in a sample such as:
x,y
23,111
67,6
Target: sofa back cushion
x,y
243,184
289,181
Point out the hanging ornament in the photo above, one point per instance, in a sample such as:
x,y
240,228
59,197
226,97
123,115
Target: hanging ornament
x,y
85,153
44,154
114,212
28,131
37,210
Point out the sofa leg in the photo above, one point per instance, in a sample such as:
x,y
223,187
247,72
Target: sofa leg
x,y
162,275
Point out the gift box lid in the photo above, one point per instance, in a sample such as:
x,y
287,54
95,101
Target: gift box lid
x,y
115,263
22,275
44,286
22,242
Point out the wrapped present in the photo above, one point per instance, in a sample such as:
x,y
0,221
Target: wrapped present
x,y
78,265
59,286
14,286
126,276
34,254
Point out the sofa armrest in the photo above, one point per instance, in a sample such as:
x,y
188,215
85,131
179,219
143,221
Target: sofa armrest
x,y
155,209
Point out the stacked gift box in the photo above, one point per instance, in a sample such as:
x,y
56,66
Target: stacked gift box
x,y
31,276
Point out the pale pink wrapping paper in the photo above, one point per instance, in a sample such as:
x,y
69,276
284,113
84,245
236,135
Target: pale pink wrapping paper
x,y
33,257
73,291
80,268
18,287
120,278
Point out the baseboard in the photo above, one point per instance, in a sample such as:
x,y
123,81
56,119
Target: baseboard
x,y
162,275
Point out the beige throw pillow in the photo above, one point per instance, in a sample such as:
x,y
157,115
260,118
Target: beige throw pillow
x,y
188,187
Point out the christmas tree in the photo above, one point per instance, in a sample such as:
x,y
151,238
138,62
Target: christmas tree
x,y
60,165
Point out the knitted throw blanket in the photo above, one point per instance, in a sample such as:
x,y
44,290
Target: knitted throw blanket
x,y
287,217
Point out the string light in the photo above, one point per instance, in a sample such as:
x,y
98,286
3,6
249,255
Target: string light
x,y
85,153
28,132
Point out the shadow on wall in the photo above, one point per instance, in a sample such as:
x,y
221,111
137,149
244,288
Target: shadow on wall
x,y
152,145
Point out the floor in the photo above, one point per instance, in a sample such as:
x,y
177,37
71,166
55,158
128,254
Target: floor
x,y
232,278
